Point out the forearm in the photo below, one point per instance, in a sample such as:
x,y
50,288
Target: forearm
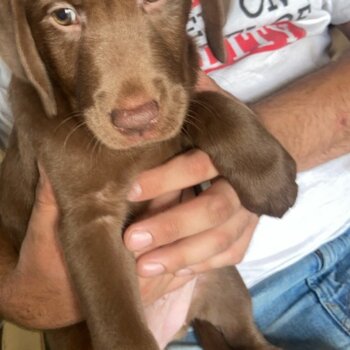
x,y
311,118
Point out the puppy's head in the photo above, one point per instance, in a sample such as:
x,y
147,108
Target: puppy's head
x,y
126,65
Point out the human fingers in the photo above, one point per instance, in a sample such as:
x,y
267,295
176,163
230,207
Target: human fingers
x,y
41,236
211,208
205,83
217,247
233,255
44,196
41,251
183,171
44,216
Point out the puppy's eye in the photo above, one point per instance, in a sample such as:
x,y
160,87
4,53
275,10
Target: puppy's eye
x,y
153,4
65,16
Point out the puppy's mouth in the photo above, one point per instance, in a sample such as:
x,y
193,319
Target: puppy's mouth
x,y
156,131
129,133
135,136
138,123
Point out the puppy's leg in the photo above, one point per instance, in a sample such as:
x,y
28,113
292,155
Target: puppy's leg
x,y
71,338
260,170
223,313
104,275
210,338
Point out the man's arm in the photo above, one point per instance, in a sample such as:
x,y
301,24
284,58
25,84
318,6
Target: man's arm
x,y
311,118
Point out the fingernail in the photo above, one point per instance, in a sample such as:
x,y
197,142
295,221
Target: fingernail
x,y
140,240
135,192
153,269
184,273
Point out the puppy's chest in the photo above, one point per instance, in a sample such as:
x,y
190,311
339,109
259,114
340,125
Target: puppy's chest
x,y
104,178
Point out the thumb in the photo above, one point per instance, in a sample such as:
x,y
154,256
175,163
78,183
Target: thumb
x,y
44,197
40,243
45,211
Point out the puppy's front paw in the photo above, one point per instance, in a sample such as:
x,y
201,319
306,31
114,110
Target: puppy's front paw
x,y
267,186
258,167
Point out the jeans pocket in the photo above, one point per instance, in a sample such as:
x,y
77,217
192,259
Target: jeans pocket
x,y
332,287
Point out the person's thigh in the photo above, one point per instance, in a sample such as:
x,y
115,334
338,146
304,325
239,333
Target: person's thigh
x,y
307,306
189,342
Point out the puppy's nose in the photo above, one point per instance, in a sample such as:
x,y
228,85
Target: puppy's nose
x,y
136,120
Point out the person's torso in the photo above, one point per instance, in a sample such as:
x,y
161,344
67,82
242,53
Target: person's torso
x,y
269,44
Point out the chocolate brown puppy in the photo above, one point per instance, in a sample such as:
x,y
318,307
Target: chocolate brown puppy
x,y
101,90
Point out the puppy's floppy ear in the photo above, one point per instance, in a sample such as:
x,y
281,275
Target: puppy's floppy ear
x,y
20,53
214,15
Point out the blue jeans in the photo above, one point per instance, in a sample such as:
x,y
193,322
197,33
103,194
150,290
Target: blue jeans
x,y
307,305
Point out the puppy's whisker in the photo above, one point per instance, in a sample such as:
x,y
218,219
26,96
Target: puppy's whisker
x,y
92,139
215,114
206,106
191,120
91,148
185,132
67,118
80,125
99,148
95,149
209,109
192,115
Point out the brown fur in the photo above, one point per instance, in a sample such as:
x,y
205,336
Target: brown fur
x,y
64,89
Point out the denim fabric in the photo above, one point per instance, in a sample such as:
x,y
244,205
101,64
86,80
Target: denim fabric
x,y
307,305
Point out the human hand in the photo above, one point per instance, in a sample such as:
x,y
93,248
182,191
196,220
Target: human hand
x,y
38,293
202,233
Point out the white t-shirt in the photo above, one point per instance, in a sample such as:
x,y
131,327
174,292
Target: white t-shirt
x,y
269,43
264,55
